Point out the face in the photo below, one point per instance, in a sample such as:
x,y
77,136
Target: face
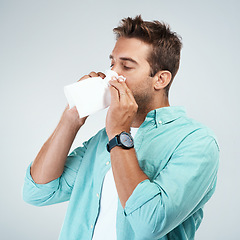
x,y
129,59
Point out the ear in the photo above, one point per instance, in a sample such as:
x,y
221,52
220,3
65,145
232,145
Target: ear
x,y
162,79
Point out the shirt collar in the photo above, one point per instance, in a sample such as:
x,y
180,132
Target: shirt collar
x,y
166,114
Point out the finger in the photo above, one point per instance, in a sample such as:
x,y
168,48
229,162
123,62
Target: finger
x,y
93,74
83,78
121,91
114,95
117,84
121,80
102,75
130,94
123,98
124,91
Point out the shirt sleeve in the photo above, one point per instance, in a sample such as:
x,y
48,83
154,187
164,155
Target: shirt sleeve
x,y
185,184
58,190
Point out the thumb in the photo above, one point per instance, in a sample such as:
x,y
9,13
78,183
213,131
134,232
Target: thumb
x,y
114,95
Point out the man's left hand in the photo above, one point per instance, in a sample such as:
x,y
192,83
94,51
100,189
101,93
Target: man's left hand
x,y
122,110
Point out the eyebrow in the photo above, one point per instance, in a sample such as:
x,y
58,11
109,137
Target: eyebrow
x,y
124,59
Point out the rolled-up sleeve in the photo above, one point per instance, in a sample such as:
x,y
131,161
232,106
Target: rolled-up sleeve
x,y
180,189
58,190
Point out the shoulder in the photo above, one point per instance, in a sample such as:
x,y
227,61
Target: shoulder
x,y
197,129
199,138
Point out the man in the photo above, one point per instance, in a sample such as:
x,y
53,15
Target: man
x,y
153,189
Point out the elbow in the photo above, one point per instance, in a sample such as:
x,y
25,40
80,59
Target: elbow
x,y
149,227
30,198
151,224
37,201
38,194
35,196
31,201
147,231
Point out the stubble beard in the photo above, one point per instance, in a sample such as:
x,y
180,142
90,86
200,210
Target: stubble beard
x,y
143,101
144,97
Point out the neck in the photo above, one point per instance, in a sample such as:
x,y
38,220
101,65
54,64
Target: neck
x,y
142,113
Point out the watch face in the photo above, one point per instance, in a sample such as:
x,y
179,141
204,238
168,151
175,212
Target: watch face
x,y
126,140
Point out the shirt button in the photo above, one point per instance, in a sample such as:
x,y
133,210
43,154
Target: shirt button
x,y
97,195
160,122
107,163
91,226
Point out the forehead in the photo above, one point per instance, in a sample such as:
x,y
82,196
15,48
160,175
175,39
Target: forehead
x,y
131,48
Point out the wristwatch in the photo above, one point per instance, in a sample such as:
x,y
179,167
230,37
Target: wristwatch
x,y
123,140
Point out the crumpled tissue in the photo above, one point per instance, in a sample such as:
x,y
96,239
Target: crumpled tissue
x,y
90,95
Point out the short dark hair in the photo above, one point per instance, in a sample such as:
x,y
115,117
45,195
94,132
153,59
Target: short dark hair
x,y
166,45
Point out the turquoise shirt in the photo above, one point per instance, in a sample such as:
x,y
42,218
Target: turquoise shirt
x,y
179,155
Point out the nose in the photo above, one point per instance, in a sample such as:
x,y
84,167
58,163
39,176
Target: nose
x,y
116,69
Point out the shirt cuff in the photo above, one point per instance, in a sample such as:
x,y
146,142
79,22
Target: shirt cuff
x,y
137,198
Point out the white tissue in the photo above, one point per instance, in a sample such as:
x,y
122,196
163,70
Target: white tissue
x,y
90,95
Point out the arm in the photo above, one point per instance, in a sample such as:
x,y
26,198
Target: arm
x,y
155,207
178,192
50,161
126,170
57,190
51,177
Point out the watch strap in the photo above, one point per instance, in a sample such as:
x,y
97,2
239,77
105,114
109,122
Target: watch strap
x,y
112,143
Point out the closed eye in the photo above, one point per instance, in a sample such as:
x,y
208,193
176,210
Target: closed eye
x,y
124,66
127,68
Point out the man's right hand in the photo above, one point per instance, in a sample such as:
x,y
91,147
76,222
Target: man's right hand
x,y
71,117
50,161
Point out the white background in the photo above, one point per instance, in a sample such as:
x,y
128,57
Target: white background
x,y
45,45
